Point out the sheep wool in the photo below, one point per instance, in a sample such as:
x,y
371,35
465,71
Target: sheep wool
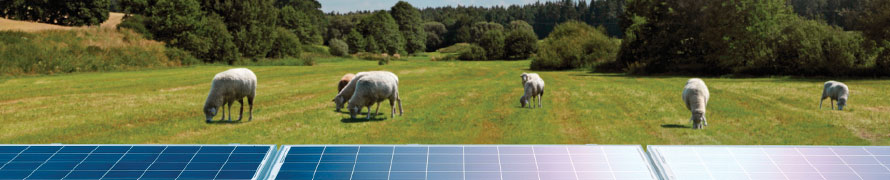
x,y
837,91
534,89
344,80
696,95
373,88
346,93
230,86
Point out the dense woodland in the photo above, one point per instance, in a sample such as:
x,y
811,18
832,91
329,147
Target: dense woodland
x,y
754,37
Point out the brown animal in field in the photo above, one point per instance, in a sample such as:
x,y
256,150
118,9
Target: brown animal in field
x,y
344,80
397,56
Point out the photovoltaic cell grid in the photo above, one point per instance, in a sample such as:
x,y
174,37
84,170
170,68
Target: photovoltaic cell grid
x,y
133,161
772,162
459,162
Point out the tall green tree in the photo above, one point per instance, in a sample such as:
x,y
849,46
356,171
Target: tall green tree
x,y
251,22
480,28
410,25
493,43
68,13
382,33
304,18
435,35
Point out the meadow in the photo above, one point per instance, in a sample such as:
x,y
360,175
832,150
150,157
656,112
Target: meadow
x,y
450,102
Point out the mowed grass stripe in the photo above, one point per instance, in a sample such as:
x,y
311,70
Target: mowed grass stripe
x,y
444,102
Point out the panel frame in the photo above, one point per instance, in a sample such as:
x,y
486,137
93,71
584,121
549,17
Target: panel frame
x,y
659,162
261,172
275,168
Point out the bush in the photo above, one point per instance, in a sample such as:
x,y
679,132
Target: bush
x,y
136,23
493,42
456,48
184,57
286,44
338,47
521,44
473,53
575,45
68,13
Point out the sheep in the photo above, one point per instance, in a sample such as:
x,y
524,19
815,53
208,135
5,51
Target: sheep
x,y
696,95
534,89
346,92
374,87
344,80
229,86
397,56
837,91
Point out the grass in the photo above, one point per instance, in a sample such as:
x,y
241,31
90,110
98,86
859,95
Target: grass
x,y
449,102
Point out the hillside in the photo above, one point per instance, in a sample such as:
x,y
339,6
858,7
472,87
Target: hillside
x,y
14,25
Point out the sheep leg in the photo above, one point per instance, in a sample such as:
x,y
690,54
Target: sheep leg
x,y
392,107
704,120
832,103
820,103
230,110
241,112
369,112
250,102
539,101
376,110
222,112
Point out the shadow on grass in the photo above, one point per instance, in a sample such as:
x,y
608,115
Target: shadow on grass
x,y
226,122
363,117
674,126
813,79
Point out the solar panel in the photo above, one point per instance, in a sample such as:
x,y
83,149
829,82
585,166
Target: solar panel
x,y
55,161
462,162
772,162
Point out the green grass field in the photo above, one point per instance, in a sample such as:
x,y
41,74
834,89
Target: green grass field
x,y
444,102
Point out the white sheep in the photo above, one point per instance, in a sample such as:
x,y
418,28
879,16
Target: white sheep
x,y
229,86
696,95
346,93
837,91
374,87
534,89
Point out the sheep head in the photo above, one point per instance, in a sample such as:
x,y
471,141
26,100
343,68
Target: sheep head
x,y
523,101
697,119
841,102
524,77
209,112
339,101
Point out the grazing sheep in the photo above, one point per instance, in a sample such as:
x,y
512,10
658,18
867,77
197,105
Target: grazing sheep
x,y
230,86
696,95
527,76
374,87
346,92
534,89
397,56
837,91
343,81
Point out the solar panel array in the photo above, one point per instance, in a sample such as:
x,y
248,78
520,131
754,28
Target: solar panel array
x,y
134,161
772,162
462,162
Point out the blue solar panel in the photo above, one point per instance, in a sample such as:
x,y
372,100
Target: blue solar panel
x,y
772,162
134,161
462,162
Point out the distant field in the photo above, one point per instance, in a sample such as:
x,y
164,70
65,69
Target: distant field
x,y
444,102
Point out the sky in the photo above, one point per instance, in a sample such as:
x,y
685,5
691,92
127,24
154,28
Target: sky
x,y
354,5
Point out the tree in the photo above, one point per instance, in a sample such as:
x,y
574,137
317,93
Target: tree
x,y
251,22
68,13
355,41
575,45
286,44
410,25
480,28
493,43
304,18
435,32
521,43
520,25
185,26
382,33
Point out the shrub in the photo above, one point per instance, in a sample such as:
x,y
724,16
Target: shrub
x,y
575,45
456,48
355,41
473,53
338,47
286,44
136,23
521,44
184,57
493,42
